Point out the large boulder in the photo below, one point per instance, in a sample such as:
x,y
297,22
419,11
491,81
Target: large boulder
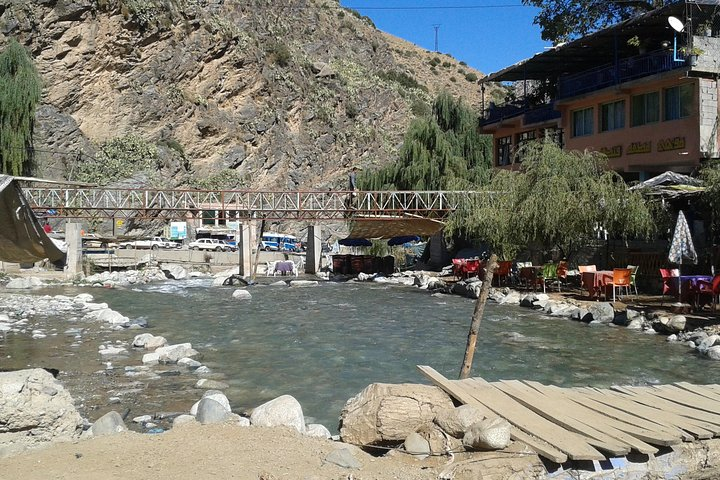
x,y
211,411
602,312
455,422
175,271
109,424
35,409
386,413
282,411
24,282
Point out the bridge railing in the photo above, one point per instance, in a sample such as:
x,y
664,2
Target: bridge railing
x,y
81,202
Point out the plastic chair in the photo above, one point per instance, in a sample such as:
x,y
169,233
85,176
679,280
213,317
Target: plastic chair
x,y
669,287
562,271
457,264
633,274
503,271
621,279
583,269
549,274
703,287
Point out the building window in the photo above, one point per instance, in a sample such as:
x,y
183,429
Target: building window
x,y
583,122
678,101
645,108
554,134
522,140
612,116
504,145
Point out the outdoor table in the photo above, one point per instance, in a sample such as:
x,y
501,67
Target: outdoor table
x,y
595,282
284,267
529,275
688,283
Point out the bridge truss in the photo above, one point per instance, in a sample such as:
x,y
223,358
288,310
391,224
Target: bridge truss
x,y
82,202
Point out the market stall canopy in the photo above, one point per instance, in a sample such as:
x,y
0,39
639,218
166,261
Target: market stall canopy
x,y
385,227
671,185
22,238
355,242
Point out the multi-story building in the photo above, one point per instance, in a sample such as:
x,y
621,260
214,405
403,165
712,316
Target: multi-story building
x,y
640,92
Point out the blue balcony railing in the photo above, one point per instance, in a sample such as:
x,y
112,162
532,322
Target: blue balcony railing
x,y
532,113
626,69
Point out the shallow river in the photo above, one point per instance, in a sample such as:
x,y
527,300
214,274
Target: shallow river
x,y
325,344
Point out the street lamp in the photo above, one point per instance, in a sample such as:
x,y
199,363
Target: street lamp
x,y
678,26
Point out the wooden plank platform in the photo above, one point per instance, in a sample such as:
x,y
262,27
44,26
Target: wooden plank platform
x,y
580,423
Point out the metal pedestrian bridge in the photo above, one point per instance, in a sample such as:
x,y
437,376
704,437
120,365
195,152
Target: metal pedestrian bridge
x,y
171,204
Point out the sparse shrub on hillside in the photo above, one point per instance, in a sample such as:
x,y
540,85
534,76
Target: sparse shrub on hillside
x,y
401,78
446,64
420,108
341,14
224,180
453,79
118,159
434,71
435,61
351,110
348,25
462,71
143,12
280,53
463,64
471,77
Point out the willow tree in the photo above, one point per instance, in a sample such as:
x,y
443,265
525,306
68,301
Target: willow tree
x,y
440,151
710,174
20,90
557,199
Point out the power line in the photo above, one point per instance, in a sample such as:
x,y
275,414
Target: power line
x,y
440,7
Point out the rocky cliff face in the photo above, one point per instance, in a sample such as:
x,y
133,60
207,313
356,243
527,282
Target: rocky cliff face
x,y
285,95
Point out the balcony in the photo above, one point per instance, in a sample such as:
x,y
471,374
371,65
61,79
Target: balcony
x,y
532,113
626,69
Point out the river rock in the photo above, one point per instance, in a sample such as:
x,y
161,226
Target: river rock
x,y
416,445
211,384
210,411
151,358
303,283
189,363
512,298
216,395
111,350
108,424
35,409
343,457
140,340
708,343
110,316
317,430
241,294
173,353
24,283
602,312
281,411
676,323
142,419
384,413
174,271
366,277
713,353
183,420
455,422
489,434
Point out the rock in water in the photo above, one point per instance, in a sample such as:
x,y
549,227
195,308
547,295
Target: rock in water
x,y
282,411
211,411
35,409
489,434
108,424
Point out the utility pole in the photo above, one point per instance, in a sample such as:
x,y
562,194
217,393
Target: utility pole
x,y
436,27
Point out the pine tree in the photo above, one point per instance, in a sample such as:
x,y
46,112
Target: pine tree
x,y
20,90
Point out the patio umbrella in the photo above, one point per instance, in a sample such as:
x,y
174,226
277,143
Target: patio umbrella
x,y
682,247
355,242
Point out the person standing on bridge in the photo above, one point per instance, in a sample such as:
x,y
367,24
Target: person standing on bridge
x,y
353,181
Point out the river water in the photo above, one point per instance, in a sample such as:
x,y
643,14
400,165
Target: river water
x,y
324,344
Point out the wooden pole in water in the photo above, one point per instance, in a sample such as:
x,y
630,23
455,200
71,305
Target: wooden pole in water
x,y
477,316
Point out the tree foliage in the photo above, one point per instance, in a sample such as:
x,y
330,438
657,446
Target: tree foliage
x,y
440,151
20,90
558,199
710,174
563,20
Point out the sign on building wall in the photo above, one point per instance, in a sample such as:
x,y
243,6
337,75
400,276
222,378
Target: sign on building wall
x,y
639,147
671,144
178,230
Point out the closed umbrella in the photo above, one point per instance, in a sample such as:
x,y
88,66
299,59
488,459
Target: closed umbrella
x,y
682,247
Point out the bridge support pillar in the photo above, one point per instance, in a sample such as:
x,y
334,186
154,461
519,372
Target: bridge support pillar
x,y
244,237
314,249
73,238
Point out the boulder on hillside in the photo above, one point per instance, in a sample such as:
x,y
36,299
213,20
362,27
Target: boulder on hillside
x,y
387,413
35,409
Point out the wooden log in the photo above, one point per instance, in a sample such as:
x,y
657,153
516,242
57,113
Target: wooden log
x,y
477,317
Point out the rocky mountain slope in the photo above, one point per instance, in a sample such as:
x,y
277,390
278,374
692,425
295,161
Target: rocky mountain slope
x,y
231,93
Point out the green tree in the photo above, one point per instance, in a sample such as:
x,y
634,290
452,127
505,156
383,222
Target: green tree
x,y
710,175
118,159
20,90
563,20
440,151
558,199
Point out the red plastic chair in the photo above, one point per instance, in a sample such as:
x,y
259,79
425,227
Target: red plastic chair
x,y
703,287
621,279
669,287
503,271
457,267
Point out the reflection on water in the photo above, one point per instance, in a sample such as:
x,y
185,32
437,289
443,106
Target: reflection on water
x,y
325,344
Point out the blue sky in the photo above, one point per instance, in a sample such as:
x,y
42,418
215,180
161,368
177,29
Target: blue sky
x,y
491,35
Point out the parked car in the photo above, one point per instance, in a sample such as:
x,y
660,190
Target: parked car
x,y
210,244
153,243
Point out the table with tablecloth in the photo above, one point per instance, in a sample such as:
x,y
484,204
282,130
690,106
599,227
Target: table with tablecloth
x,y
689,283
596,282
284,267
530,275
468,267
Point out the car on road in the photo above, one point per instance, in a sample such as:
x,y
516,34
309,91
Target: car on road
x,y
153,243
210,244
